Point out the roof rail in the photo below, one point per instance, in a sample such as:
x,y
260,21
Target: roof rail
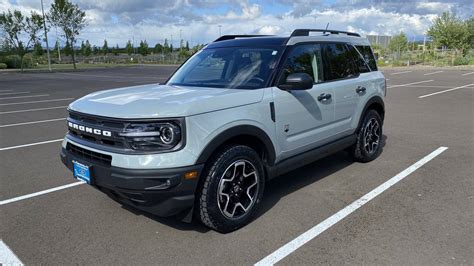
x,y
305,32
231,37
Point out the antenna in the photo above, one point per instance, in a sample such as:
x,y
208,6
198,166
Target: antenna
x,y
327,25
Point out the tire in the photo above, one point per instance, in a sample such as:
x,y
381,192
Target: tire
x,y
224,183
369,138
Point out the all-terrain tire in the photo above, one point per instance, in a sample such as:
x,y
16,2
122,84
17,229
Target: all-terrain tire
x,y
210,200
366,149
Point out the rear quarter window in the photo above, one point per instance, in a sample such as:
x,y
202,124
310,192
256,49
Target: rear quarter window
x,y
368,55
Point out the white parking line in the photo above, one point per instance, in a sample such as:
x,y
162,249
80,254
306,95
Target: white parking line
x,y
432,73
465,74
7,257
42,101
408,84
33,122
10,93
32,110
293,245
39,193
29,96
439,92
403,72
30,144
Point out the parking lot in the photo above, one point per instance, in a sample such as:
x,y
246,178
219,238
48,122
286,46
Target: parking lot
x,y
425,218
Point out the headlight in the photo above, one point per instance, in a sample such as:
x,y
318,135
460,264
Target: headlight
x,y
152,136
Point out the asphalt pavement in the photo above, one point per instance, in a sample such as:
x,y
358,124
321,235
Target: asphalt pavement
x,y
425,218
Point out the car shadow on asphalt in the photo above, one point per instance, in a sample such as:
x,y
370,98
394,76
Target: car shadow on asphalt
x,y
275,189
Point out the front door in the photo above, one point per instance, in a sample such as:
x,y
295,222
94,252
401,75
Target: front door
x,y
303,118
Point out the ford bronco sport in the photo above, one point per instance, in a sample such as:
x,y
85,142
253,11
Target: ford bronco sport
x,y
239,112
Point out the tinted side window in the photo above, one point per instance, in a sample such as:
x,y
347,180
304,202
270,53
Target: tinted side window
x,y
359,61
369,57
304,59
339,62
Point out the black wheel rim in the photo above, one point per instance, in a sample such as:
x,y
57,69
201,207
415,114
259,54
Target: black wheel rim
x,y
238,189
372,136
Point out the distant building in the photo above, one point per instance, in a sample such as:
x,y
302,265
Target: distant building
x,y
381,40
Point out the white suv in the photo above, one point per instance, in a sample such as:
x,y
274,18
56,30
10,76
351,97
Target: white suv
x,y
239,112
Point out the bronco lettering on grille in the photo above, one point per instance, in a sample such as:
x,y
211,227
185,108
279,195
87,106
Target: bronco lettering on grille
x,y
90,130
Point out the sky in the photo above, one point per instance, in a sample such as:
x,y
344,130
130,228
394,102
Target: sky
x,y
201,21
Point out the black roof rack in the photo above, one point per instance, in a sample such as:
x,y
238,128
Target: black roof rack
x,y
231,37
305,32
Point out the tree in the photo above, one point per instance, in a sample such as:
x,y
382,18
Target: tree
x,y
398,43
470,30
158,48
166,46
21,32
87,48
116,50
105,48
143,48
38,49
129,47
187,46
68,49
449,31
70,18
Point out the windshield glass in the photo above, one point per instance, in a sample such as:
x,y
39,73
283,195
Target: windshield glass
x,y
231,68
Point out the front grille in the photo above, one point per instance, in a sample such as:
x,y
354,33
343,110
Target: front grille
x,y
91,156
113,126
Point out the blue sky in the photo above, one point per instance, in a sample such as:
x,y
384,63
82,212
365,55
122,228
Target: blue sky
x,y
198,20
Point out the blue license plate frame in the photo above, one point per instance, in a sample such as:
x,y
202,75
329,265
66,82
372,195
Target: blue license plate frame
x,y
82,172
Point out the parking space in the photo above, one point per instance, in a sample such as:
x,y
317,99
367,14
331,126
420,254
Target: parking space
x,y
423,218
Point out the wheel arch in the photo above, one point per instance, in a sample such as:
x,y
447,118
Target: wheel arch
x,y
251,136
375,103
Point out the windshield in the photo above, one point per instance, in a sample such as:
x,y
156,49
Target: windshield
x,y
231,68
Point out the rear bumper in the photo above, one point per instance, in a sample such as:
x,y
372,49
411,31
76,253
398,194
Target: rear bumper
x,y
162,192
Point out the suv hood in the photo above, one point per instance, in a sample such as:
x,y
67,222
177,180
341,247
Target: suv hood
x,y
161,101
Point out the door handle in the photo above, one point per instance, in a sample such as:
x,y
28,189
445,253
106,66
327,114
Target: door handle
x,y
360,89
324,97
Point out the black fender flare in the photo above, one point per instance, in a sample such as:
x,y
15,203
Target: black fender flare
x,y
374,100
236,131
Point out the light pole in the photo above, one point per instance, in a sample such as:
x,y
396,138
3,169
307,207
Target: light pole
x,y
46,37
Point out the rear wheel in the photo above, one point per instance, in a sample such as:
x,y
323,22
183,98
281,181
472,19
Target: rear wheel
x,y
369,138
232,188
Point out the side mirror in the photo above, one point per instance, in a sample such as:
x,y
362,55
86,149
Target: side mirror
x,y
297,81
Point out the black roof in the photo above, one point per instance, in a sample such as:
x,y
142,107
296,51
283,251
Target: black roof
x,y
254,41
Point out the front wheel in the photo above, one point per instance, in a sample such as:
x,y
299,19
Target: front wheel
x,y
231,189
369,138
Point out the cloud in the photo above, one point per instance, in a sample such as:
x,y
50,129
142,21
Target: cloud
x,y
199,20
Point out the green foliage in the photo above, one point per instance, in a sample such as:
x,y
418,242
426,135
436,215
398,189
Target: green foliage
x,y
12,61
470,30
187,46
143,48
158,48
129,47
3,66
398,43
21,32
449,31
105,48
38,49
461,61
70,19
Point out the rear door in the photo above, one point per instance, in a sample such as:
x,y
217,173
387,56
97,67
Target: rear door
x,y
303,119
349,86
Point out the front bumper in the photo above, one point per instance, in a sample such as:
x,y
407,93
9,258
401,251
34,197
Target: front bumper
x,y
162,192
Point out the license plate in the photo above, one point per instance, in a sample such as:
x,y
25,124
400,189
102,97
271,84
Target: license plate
x,y
82,172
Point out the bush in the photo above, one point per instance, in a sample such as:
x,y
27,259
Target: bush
x,y
461,61
3,66
12,61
